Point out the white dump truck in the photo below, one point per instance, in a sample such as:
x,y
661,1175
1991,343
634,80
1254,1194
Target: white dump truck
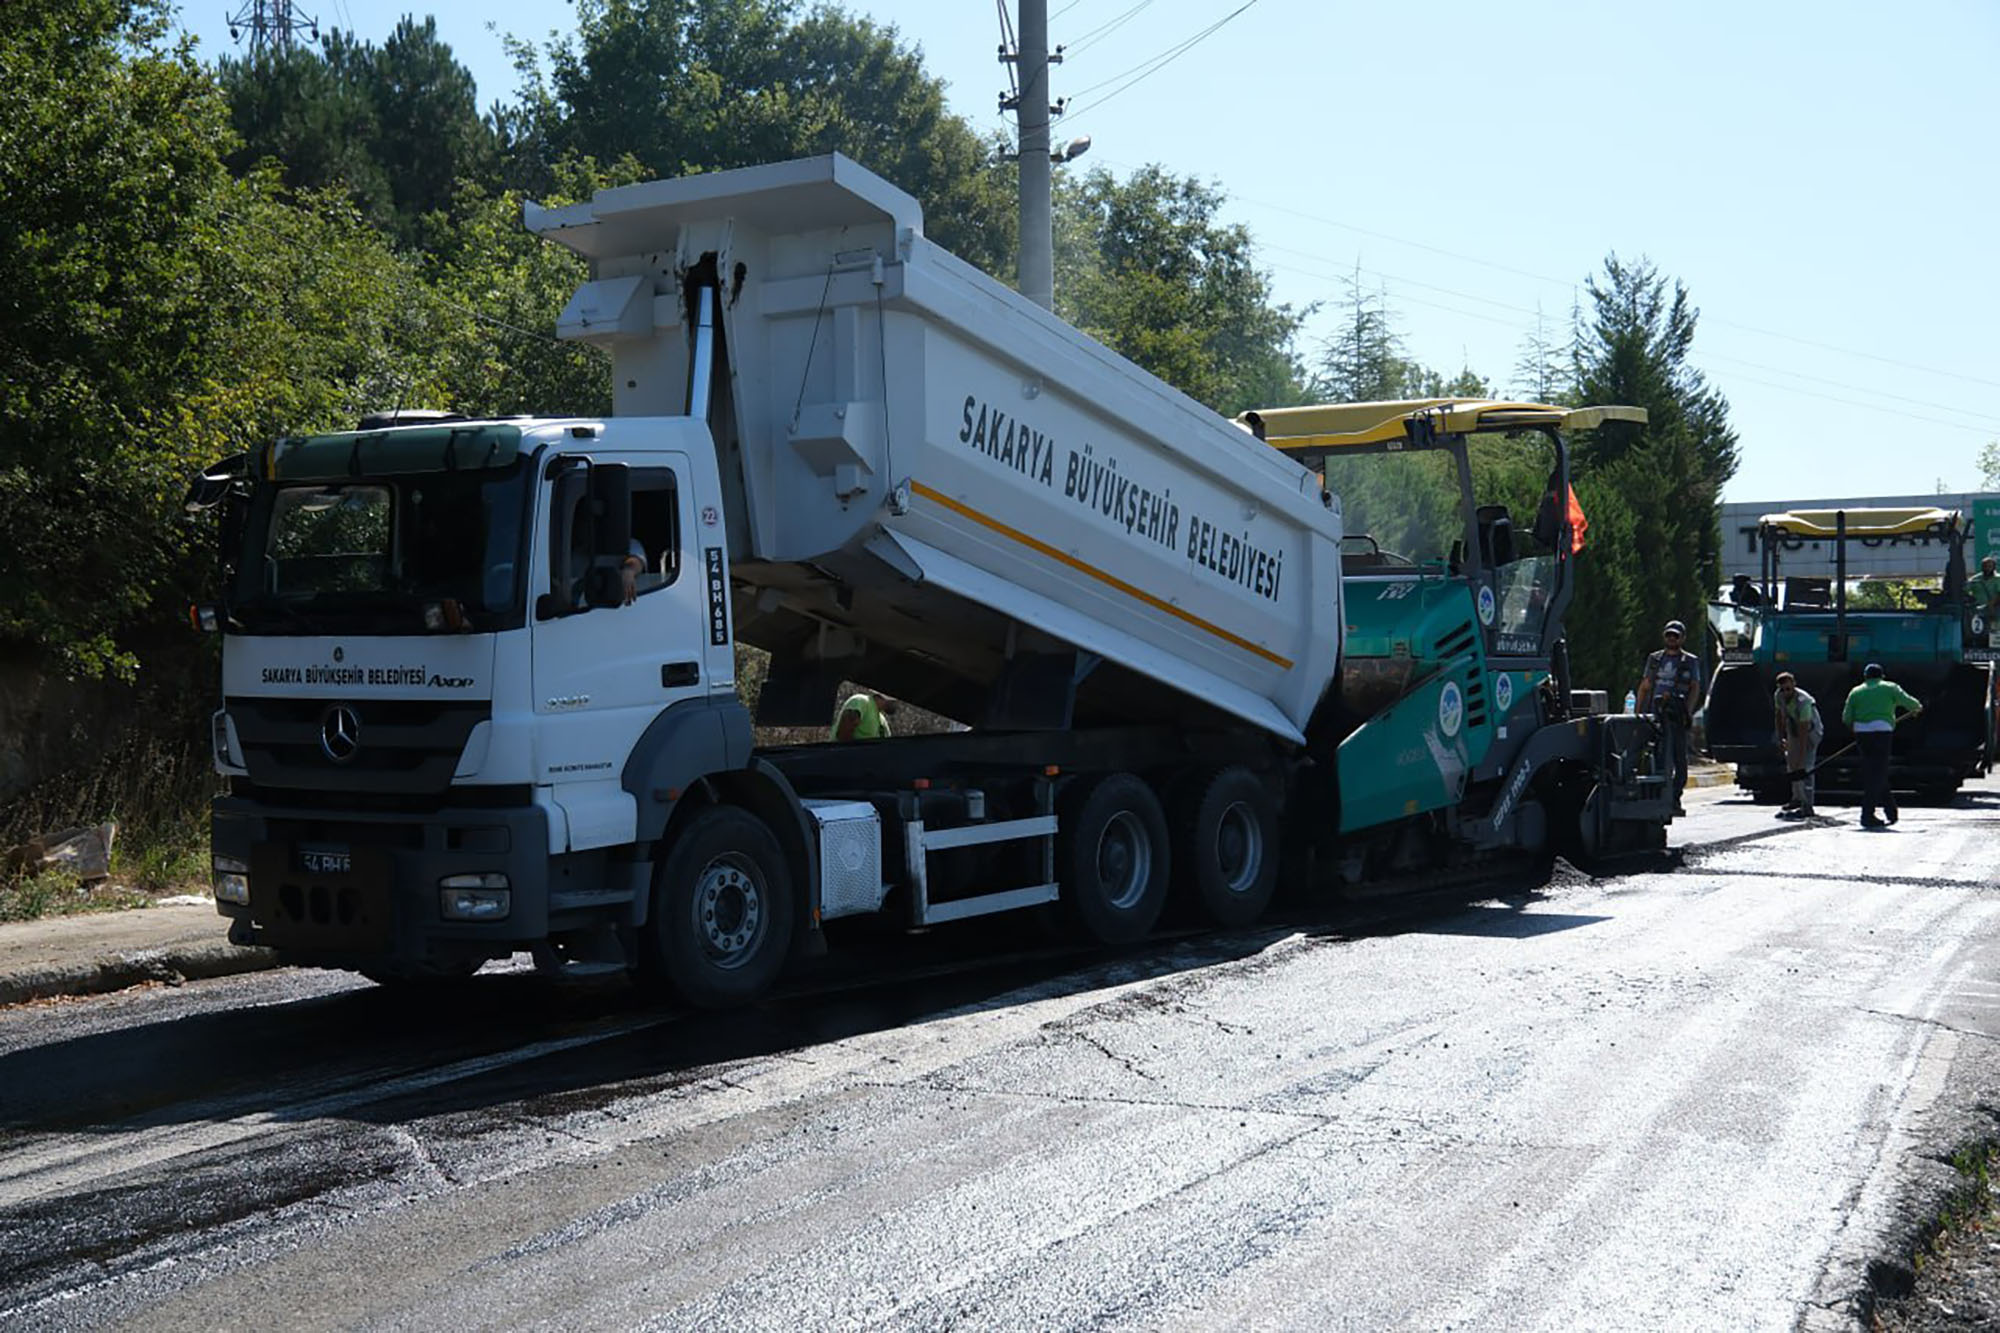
x,y
479,677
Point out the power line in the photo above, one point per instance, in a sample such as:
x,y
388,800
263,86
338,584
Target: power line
x,y
1571,285
1146,69
1102,30
1007,47
1992,422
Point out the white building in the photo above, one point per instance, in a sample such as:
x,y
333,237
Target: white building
x,y
1879,557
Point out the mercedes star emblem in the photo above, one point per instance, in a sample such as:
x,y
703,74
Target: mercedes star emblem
x,y
340,733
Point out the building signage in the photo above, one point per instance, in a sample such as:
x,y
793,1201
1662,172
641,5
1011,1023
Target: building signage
x,y
1918,556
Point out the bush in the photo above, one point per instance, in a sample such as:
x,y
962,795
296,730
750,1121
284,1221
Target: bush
x,y
60,893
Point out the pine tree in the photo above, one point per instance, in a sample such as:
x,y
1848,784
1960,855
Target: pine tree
x,y
1363,361
1542,372
1669,473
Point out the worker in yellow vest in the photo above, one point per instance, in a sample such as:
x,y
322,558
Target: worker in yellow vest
x,y
861,718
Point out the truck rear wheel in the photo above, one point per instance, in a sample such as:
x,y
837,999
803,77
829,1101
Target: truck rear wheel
x,y
1226,847
721,925
1112,861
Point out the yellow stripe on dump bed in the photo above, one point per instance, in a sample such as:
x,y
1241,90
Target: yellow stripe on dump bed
x,y
1109,580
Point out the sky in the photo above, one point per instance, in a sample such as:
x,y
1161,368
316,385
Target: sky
x,y
1820,176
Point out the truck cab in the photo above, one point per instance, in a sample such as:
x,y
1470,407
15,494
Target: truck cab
x,y
442,644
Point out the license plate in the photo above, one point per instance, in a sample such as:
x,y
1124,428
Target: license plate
x,y
326,860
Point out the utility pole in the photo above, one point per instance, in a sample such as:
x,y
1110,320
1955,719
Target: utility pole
x,y
272,24
1038,257
1033,111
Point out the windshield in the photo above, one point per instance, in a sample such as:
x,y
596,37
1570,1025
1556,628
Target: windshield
x,y
410,554
1525,588
1408,507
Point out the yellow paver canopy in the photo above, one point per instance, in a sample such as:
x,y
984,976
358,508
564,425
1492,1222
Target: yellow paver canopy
x,y
1862,522
1338,425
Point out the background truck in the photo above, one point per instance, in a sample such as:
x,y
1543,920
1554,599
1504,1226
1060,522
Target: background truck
x,y
479,678
1928,638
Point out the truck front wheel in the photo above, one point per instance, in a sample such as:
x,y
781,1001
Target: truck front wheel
x,y
721,925
1226,848
1111,859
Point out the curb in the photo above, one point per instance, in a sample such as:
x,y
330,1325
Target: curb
x,y
118,971
1711,777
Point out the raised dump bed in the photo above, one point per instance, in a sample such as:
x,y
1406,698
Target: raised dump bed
x,y
937,486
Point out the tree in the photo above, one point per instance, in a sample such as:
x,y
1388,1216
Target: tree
x,y
1543,371
397,126
1989,466
155,315
428,133
306,111
1145,266
492,291
680,86
109,263
1363,360
1668,473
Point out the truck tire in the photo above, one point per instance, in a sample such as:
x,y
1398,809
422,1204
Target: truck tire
x,y
1226,846
720,929
1112,859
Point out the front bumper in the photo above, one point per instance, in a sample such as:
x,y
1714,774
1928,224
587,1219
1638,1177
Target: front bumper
x,y
356,888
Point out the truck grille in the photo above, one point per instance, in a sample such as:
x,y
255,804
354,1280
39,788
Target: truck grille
x,y
397,746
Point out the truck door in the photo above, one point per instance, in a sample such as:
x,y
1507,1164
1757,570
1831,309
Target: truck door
x,y
602,672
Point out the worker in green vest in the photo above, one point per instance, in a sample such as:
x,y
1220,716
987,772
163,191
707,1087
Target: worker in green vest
x,y
861,718
1872,710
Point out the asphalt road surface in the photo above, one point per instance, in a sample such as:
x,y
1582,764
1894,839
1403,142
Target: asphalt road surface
x,y
1699,1097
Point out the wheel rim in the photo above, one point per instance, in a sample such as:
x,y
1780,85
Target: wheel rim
x,y
1239,847
1124,860
729,916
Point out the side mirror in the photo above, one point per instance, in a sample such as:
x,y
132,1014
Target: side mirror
x,y
215,483
604,587
611,534
611,508
565,510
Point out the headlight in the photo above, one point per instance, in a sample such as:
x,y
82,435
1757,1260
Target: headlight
x,y
477,897
232,880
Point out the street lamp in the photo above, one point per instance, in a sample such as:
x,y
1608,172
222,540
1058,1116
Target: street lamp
x,y
1072,150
